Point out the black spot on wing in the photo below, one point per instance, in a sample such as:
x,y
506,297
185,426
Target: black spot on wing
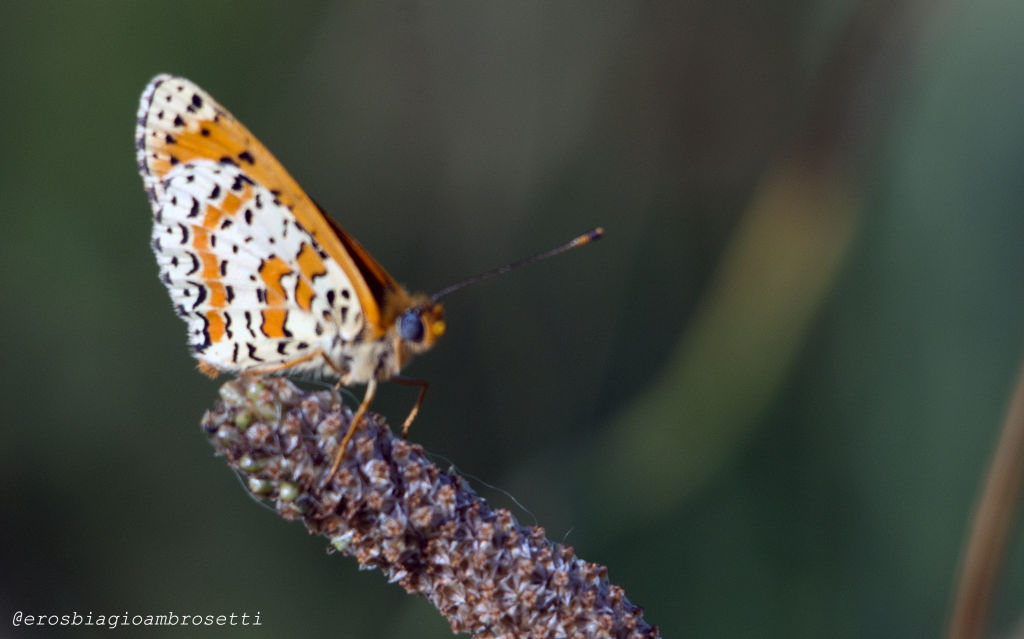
x,y
200,294
202,336
252,352
240,181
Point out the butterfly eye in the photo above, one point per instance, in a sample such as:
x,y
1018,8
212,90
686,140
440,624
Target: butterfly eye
x,y
410,326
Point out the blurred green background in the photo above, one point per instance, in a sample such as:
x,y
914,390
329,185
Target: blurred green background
x,y
765,401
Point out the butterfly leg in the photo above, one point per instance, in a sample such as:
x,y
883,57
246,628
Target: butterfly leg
x,y
371,390
423,384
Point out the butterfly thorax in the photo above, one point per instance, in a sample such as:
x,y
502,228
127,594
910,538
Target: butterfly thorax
x,y
375,356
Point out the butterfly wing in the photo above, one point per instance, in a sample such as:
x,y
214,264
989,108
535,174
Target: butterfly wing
x,y
260,274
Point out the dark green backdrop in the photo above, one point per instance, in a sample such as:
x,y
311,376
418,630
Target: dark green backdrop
x,y
764,401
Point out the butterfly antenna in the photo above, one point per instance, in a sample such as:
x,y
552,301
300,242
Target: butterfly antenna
x,y
586,238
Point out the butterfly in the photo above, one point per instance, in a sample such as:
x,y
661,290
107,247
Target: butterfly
x,y
265,280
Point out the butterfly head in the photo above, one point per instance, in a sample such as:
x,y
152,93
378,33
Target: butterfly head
x,y
418,326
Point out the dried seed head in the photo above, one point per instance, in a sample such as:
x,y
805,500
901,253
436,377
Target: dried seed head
x,y
391,508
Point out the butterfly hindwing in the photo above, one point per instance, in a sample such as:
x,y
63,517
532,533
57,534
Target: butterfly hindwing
x,y
255,287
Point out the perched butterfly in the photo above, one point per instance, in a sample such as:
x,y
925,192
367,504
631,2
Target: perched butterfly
x,y
266,281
